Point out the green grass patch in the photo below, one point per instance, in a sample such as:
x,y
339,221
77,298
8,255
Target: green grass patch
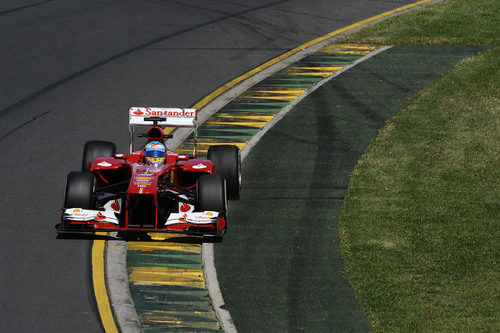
x,y
420,223
475,22
420,229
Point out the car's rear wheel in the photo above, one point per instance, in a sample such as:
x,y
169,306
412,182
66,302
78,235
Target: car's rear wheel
x,y
79,190
227,162
95,149
211,193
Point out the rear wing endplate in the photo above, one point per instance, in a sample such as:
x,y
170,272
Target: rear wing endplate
x,y
170,117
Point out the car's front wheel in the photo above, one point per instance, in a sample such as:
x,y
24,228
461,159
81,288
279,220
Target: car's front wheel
x,y
79,190
211,193
95,149
227,162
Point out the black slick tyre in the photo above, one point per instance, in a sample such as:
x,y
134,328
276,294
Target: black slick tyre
x,y
227,162
95,149
79,190
211,193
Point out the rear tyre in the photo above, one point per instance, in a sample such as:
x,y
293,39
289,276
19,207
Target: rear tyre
x,y
227,164
79,190
211,193
95,149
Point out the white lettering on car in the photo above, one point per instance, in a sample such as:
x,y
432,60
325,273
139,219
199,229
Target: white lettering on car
x,y
199,166
104,164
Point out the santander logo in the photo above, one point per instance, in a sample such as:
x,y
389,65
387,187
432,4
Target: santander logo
x,y
164,112
185,207
99,216
115,205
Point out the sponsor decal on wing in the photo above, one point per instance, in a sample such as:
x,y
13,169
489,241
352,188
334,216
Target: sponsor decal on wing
x,y
173,116
163,112
207,217
185,208
78,214
113,206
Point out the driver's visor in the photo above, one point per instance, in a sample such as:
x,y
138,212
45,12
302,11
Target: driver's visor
x,y
155,153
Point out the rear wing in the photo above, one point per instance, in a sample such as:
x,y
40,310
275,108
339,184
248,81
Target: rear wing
x,y
170,117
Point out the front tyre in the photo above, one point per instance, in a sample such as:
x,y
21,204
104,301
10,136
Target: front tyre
x,y
227,164
79,190
95,149
211,193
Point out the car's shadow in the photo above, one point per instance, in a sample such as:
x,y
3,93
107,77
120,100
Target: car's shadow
x,y
82,235
168,237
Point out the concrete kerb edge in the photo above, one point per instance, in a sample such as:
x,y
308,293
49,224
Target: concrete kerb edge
x,y
115,261
212,283
121,301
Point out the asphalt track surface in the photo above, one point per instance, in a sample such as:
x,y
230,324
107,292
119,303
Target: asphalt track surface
x,y
69,72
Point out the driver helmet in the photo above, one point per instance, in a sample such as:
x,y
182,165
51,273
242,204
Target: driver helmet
x,y
155,152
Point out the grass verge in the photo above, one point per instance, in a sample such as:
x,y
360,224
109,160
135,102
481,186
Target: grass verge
x,y
419,226
474,22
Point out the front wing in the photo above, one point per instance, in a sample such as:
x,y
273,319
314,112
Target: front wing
x,y
197,223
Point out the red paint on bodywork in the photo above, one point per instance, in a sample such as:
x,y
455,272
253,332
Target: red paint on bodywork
x,y
145,180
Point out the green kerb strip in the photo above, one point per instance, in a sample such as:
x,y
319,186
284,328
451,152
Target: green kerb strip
x,y
177,307
163,258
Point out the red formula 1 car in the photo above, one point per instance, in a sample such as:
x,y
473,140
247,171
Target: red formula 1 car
x,y
139,192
